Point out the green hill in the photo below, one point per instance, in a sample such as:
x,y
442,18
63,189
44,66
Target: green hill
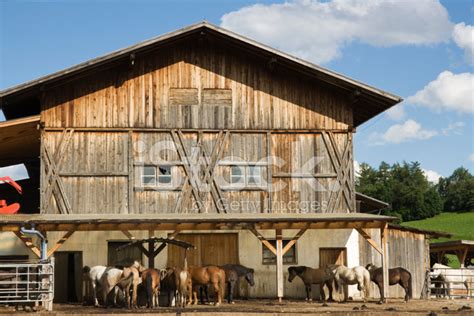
x,y
461,225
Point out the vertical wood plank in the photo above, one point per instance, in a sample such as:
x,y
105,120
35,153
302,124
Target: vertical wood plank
x,y
384,237
279,269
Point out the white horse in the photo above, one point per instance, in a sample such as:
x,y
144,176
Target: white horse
x,y
109,278
449,277
344,275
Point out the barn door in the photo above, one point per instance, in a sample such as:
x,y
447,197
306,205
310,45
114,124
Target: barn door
x,y
333,256
67,276
215,249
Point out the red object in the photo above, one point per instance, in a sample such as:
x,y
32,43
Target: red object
x,y
12,208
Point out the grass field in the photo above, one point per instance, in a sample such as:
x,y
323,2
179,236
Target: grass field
x,y
461,225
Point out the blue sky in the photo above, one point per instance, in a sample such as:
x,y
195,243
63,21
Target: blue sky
x,y
399,46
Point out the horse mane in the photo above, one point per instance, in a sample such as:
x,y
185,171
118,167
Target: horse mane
x,y
298,269
240,269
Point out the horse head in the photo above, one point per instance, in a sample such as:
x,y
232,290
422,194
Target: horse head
x,y
370,267
137,265
294,271
249,277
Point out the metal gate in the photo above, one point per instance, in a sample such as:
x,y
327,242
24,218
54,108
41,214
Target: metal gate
x,y
27,282
451,283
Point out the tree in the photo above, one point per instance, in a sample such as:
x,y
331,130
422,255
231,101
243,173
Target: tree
x,y
457,191
404,186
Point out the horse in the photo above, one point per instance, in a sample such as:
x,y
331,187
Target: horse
x,y
169,284
202,276
397,275
311,276
184,286
151,278
108,278
344,275
233,272
449,276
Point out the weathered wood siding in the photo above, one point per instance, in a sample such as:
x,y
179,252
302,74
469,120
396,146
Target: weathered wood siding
x,y
222,106
194,86
407,250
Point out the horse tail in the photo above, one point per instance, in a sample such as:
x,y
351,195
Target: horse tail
x,y
149,290
86,269
366,284
410,289
222,283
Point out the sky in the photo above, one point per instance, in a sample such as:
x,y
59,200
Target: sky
x,y
420,50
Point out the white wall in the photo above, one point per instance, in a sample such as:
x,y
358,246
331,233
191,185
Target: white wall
x,y
94,247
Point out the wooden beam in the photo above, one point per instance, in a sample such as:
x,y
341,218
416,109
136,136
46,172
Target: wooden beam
x,y
461,254
369,239
28,243
263,240
151,250
384,237
294,240
128,234
279,261
163,245
60,242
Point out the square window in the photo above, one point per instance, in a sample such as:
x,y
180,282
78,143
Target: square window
x,y
288,258
237,175
254,175
164,174
149,175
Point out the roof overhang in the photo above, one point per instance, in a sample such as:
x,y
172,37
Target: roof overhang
x,y
452,246
373,100
429,233
370,204
20,141
120,222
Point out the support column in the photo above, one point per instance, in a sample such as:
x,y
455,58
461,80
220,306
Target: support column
x,y
384,237
151,250
279,261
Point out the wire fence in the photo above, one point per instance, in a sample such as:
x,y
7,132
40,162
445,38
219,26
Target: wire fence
x,y
450,283
27,282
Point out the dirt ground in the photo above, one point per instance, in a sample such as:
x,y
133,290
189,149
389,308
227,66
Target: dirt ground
x,y
287,307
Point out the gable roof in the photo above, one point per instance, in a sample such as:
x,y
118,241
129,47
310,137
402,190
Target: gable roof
x,y
368,101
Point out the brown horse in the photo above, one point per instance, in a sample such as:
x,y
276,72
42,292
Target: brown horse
x,y
395,276
211,275
311,276
151,280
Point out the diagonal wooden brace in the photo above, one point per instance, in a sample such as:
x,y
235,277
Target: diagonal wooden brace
x,y
369,239
28,243
263,240
60,242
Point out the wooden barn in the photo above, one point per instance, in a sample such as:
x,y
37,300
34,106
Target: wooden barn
x,y
205,136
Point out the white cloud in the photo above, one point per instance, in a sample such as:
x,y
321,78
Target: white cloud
x,y
16,172
453,128
471,157
356,168
463,36
396,113
317,30
432,176
399,133
449,91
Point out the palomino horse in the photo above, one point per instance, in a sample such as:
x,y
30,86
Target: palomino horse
x,y
151,280
311,276
344,275
449,277
184,286
395,276
202,276
108,278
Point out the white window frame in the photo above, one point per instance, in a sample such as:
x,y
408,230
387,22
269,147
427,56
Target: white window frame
x,y
245,176
154,176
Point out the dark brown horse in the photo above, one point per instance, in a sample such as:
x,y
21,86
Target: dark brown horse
x,y
395,276
151,280
311,276
202,276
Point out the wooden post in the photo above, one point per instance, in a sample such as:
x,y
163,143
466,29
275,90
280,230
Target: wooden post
x,y
279,261
151,250
384,236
